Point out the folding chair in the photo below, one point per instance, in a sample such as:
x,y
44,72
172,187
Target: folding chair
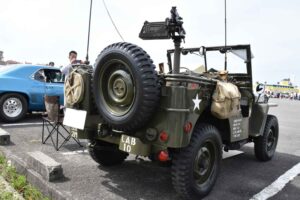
x,y
53,121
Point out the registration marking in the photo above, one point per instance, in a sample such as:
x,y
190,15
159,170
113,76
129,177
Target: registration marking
x,y
128,142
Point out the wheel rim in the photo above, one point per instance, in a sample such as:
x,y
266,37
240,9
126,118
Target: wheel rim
x,y
204,163
271,140
12,107
117,87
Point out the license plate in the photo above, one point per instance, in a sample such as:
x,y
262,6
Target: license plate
x,y
75,118
128,143
134,145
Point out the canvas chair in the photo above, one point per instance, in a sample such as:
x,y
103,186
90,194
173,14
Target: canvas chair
x,y
53,124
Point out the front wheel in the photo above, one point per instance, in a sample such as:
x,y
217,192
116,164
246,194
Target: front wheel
x,y
265,145
13,107
195,167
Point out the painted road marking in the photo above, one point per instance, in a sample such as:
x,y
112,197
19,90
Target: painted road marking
x,y
278,185
225,154
84,151
231,153
22,124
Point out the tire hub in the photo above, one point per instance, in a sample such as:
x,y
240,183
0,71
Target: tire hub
x,y
204,163
119,92
119,88
12,107
271,140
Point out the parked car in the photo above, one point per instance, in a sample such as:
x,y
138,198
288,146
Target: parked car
x,y
23,87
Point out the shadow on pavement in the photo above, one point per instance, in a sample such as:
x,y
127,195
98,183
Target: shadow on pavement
x,y
241,177
139,180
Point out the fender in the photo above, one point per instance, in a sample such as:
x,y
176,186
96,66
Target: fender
x,y
258,118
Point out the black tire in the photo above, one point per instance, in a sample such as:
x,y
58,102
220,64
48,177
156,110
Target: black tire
x,y
106,154
184,176
126,87
265,145
13,107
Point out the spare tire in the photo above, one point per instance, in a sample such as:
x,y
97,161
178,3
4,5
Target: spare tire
x,y
126,87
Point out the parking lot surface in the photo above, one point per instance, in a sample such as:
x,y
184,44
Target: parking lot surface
x,y
241,177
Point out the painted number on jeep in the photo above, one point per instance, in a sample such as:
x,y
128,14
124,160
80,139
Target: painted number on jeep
x,y
127,143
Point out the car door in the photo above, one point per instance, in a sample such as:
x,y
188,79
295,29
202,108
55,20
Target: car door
x,y
38,90
54,84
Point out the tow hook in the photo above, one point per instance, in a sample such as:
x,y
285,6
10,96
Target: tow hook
x,y
103,130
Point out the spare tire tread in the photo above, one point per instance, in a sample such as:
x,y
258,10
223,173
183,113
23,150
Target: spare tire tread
x,y
147,81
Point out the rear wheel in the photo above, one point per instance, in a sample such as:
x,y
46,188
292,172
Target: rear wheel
x,y
13,107
106,154
195,167
265,145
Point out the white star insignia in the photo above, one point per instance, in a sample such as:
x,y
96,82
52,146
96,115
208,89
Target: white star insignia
x,y
197,102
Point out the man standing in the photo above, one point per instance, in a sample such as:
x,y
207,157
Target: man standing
x,y
73,60
51,64
65,70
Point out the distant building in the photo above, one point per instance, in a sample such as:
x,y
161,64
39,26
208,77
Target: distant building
x,y
286,82
8,62
12,62
284,86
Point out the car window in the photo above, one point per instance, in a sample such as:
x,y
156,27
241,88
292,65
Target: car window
x,y
39,76
53,76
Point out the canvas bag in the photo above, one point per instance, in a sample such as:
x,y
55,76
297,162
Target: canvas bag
x,y
74,88
226,100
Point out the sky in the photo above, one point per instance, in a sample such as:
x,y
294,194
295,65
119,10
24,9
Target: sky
x,y
40,31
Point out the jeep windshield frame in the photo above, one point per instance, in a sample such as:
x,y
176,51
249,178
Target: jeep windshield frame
x,y
221,49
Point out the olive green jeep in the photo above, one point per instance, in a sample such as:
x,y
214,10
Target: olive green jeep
x,y
183,117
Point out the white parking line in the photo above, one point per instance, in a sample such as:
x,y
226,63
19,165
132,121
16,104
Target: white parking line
x,y
278,185
231,153
225,154
75,152
22,124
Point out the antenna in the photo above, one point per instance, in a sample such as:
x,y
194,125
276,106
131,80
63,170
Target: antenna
x,y
89,29
225,62
112,21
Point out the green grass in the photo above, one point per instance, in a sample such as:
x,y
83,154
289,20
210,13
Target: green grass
x,y
6,196
18,182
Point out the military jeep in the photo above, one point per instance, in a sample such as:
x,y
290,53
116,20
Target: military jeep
x,y
181,116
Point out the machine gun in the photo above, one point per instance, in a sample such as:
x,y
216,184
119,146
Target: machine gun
x,y
170,28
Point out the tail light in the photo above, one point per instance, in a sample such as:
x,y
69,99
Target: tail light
x,y
163,136
187,127
163,156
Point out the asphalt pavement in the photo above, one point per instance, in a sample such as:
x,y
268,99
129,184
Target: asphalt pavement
x,y
241,177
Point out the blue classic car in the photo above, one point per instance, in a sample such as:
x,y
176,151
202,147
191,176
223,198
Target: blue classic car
x,y
23,87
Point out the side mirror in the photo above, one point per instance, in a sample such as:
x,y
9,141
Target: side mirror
x,y
260,88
